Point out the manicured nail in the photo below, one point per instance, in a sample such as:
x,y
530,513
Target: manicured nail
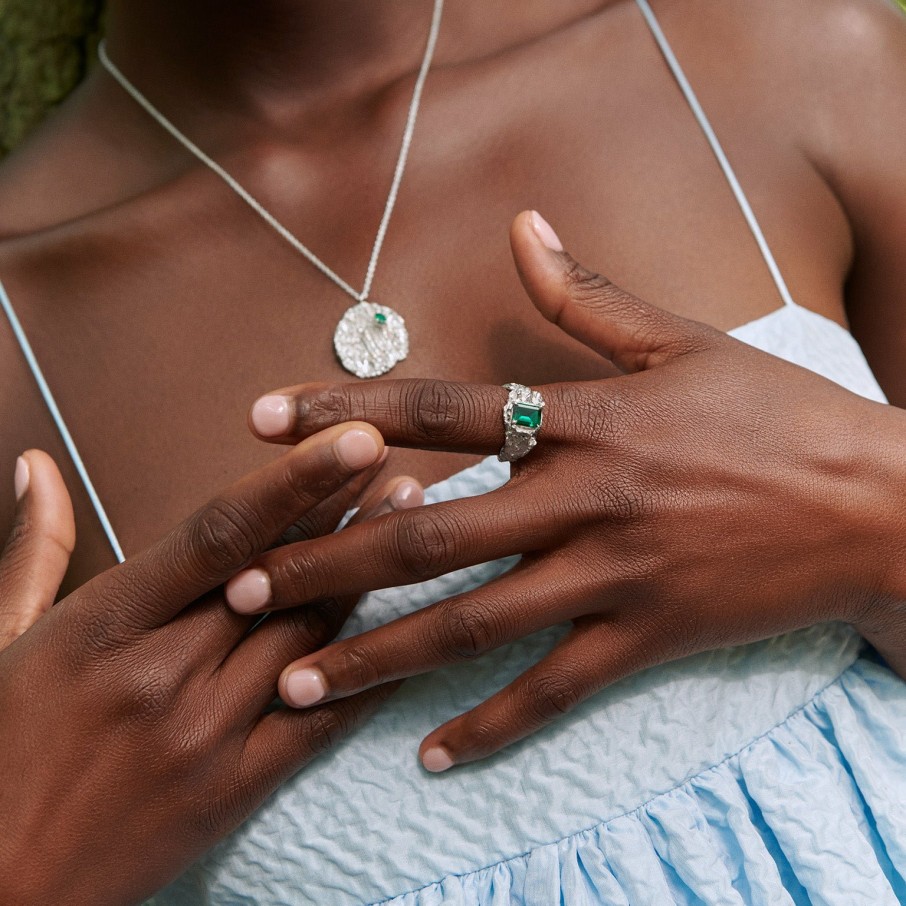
x,y
403,497
356,449
270,416
545,232
305,687
407,495
248,591
436,760
22,477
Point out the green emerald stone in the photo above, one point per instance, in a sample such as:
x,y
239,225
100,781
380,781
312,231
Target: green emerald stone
x,y
380,319
525,415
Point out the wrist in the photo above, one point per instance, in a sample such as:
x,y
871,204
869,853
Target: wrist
x,y
876,511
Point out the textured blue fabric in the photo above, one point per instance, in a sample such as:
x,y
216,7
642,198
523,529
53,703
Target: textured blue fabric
x,y
782,822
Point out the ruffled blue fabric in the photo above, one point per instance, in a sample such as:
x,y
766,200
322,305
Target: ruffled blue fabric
x,y
812,812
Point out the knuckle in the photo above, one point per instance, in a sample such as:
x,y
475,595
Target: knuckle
x,y
436,409
321,621
99,631
307,486
148,695
423,546
299,576
585,286
357,666
332,404
466,631
324,729
196,738
626,502
224,535
618,498
596,418
302,631
311,524
482,733
551,696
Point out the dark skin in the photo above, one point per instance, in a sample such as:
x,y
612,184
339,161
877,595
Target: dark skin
x,y
149,728
634,185
564,107
656,527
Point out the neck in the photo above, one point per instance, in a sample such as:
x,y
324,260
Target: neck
x,y
285,55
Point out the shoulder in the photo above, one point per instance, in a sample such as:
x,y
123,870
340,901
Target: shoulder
x,y
792,42
852,25
828,75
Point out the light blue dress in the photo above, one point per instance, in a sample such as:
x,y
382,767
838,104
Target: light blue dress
x,y
767,774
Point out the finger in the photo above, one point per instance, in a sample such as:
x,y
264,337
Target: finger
x,y
424,413
37,553
454,630
209,624
284,741
398,494
249,674
327,515
397,549
234,527
631,333
248,677
588,659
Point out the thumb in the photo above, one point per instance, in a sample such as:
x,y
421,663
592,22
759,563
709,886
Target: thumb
x,y
37,552
631,333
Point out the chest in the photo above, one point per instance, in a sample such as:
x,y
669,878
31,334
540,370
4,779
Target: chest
x,y
160,322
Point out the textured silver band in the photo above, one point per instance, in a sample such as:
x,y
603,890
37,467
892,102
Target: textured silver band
x,y
522,418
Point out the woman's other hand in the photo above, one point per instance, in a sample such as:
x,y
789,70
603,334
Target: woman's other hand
x,y
37,552
711,496
136,720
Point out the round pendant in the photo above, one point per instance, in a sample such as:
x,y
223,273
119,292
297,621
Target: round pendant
x,y
370,339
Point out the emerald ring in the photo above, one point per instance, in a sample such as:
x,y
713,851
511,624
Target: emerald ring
x,y
522,417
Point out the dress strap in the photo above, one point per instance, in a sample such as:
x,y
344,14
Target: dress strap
x,y
713,141
55,414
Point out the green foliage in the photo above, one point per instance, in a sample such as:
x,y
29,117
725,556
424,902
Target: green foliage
x,y
45,46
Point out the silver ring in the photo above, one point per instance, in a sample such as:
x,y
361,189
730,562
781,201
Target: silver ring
x,y
522,417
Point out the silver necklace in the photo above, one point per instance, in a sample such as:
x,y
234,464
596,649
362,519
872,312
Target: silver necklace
x,y
370,338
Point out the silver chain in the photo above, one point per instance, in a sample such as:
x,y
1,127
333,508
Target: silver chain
x,y
256,205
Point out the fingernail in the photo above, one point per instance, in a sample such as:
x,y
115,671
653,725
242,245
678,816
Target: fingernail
x,y
248,591
436,760
403,497
270,416
407,495
545,232
305,687
357,449
22,477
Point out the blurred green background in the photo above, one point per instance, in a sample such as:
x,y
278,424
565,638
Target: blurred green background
x,y
45,49
45,46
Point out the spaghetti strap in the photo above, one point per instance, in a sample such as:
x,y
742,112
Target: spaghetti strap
x,y
57,416
716,147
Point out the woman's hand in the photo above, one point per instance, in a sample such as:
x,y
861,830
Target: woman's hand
x,y
136,727
711,496
36,554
